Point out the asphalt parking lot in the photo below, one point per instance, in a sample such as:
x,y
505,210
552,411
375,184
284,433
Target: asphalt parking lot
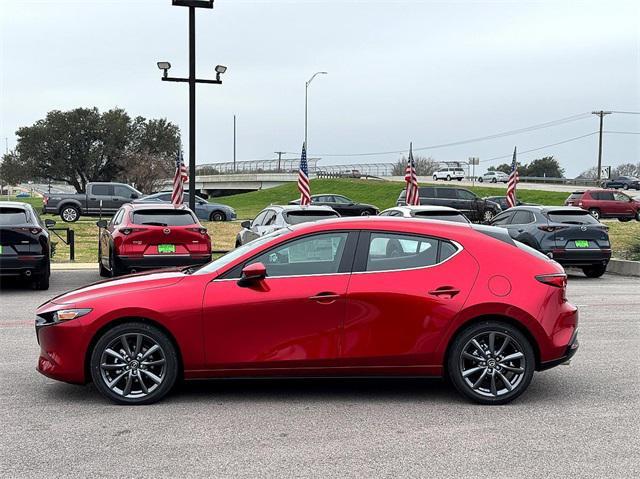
x,y
576,421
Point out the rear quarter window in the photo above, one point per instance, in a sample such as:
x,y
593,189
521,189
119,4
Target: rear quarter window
x,y
163,218
575,196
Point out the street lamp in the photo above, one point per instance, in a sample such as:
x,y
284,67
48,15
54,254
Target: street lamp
x,y
306,106
192,80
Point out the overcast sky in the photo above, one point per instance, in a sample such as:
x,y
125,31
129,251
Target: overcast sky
x,y
399,71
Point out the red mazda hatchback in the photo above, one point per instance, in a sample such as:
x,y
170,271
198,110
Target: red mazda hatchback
x,y
344,297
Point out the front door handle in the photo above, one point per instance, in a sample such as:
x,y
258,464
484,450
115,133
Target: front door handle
x,y
449,291
326,297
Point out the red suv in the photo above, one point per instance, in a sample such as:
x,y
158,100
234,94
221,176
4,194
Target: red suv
x,y
606,204
149,236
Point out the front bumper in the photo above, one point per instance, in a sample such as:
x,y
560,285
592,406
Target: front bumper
x,y
63,348
572,349
157,261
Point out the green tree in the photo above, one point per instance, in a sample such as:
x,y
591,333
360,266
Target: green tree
x,y
547,166
84,145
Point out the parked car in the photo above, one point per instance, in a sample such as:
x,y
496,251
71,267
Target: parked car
x,y
571,236
100,199
204,210
23,194
276,217
606,204
437,299
148,236
442,213
624,182
343,205
502,201
449,174
494,177
463,200
25,246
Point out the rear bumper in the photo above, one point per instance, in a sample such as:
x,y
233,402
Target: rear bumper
x,y
20,265
571,350
162,261
580,257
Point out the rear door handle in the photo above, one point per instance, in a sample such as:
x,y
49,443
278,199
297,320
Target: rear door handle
x,y
449,291
326,297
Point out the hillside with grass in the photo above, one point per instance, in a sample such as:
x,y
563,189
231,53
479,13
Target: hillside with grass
x,y
382,194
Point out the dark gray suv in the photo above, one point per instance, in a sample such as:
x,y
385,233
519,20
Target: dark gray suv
x,y
463,200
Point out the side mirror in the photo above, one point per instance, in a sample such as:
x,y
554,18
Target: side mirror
x,y
101,223
246,224
49,223
251,273
134,196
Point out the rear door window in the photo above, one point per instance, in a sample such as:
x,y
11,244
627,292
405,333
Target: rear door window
x,y
102,190
605,196
466,195
522,218
394,251
163,218
13,216
502,219
426,192
447,193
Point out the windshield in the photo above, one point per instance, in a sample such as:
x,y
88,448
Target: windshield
x,y
572,217
297,217
232,255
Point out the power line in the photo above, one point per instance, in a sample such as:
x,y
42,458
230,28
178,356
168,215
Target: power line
x,y
626,112
623,132
527,129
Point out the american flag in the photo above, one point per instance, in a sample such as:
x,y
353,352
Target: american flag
x,y
303,178
513,181
413,193
179,178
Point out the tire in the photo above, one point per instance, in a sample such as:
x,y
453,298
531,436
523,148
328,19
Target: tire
x,y
595,212
625,220
217,216
459,179
114,269
480,180
481,385
625,187
104,272
41,282
494,180
70,214
366,213
435,178
448,177
594,271
140,369
487,216
638,215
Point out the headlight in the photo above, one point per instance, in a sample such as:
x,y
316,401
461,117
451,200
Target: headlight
x,y
69,314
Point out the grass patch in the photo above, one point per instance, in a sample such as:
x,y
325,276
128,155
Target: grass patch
x,y
625,239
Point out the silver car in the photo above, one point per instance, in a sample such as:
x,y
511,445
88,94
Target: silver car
x,y
442,213
276,217
494,177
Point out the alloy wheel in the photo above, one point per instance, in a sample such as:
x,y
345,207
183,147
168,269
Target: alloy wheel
x,y
492,364
488,215
69,215
133,365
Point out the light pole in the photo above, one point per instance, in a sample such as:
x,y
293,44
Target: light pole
x,y
192,80
306,106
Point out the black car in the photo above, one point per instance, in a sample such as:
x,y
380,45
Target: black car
x,y
468,203
343,205
571,236
624,182
25,246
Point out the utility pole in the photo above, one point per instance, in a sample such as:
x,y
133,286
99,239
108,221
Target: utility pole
x,y
279,153
234,143
306,106
601,114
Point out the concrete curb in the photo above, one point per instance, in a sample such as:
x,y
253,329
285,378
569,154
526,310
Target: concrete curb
x,y
624,267
73,266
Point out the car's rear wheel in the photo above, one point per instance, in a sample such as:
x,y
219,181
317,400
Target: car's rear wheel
x,y
114,269
41,282
480,180
70,214
491,362
134,363
625,219
638,215
594,271
366,213
494,180
595,212
448,177
217,216
625,187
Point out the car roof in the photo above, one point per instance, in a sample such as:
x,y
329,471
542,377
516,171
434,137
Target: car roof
x,y
422,208
328,194
14,204
155,206
287,208
546,209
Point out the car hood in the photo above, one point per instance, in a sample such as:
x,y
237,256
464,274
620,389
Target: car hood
x,y
124,285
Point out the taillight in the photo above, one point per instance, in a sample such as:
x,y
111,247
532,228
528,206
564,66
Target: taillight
x,y
128,231
45,200
579,203
558,280
202,231
551,229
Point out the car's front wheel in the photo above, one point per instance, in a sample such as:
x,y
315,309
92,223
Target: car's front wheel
x,y
435,178
626,187
487,216
638,215
491,362
134,363
448,177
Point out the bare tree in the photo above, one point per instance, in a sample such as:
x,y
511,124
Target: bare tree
x,y
425,166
